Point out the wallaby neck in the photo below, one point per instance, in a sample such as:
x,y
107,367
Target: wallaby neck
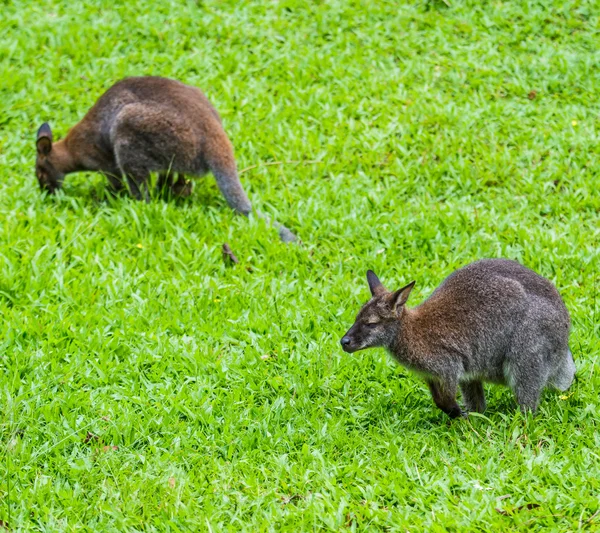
x,y
402,345
63,159
80,150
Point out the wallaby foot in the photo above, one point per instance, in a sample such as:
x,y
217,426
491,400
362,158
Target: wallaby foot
x,y
138,187
473,396
182,187
444,396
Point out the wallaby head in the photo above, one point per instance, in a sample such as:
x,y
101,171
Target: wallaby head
x,y
47,164
379,320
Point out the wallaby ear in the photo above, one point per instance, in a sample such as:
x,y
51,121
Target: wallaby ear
x,y
399,298
44,139
374,284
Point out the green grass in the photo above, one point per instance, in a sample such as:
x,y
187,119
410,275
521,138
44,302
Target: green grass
x,y
145,385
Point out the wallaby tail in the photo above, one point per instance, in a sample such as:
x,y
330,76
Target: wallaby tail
x,y
284,233
221,162
231,188
564,373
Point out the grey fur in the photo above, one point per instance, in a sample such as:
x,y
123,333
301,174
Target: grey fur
x,y
493,320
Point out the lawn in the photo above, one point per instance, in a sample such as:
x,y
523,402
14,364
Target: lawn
x,y
145,384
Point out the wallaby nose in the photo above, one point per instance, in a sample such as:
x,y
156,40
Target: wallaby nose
x,y
345,342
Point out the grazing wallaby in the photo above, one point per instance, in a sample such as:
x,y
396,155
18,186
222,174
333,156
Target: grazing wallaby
x,y
493,320
142,125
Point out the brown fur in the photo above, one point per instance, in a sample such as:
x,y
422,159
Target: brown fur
x,y
493,320
143,125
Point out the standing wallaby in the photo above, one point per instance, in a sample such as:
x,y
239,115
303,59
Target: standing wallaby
x,y
493,320
142,125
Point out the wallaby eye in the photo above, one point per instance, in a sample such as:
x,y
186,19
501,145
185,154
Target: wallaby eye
x,y
372,324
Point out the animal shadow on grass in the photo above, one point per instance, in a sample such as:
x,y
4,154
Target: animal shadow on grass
x,y
502,401
95,190
413,405
499,400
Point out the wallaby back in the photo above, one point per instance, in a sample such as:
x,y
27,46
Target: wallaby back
x,y
493,320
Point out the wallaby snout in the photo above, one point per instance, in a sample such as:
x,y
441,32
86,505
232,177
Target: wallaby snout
x,y
349,343
493,320
358,337
346,343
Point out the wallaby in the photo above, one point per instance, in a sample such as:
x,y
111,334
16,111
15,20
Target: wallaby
x,y
493,320
142,125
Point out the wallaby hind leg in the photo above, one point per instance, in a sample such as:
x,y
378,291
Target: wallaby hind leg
x,y
140,147
136,175
181,188
138,184
473,396
115,182
444,396
565,373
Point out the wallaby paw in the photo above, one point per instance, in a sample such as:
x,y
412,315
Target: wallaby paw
x,y
182,190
